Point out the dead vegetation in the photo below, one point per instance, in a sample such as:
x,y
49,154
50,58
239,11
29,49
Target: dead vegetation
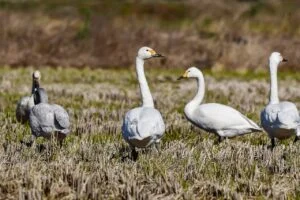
x,y
221,35
233,34
189,166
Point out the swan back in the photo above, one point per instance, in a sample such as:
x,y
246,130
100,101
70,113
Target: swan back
x,y
216,118
280,120
46,119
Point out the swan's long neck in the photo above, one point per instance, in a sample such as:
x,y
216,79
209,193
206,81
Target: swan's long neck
x,y
35,85
147,99
274,85
196,101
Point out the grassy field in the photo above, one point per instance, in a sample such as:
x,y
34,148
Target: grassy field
x,y
190,166
226,34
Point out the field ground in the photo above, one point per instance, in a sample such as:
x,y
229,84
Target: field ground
x,y
189,166
226,34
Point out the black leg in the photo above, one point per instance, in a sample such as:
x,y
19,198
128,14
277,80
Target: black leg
x,y
134,154
272,143
40,148
220,139
60,143
296,138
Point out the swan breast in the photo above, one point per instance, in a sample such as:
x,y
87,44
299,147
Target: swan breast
x,y
142,126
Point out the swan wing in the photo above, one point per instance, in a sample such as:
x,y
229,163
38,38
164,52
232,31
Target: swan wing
x,y
129,127
41,119
150,123
282,115
215,116
61,117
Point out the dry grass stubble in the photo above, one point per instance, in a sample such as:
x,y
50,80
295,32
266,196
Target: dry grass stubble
x,y
189,166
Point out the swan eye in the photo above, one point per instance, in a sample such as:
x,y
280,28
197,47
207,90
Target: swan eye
x,y
147,49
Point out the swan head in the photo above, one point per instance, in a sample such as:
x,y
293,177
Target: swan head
x,y
145,53
36,75
192,72
276,58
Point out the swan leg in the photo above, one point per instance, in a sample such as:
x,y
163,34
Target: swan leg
x,y
134,154
157,146
272,143
220,139
297,134
59,139
61,143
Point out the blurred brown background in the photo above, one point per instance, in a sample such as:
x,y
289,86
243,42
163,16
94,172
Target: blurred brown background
x,y
224,34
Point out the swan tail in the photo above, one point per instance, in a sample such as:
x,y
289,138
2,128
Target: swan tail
x,y
256,129
298,130
254,126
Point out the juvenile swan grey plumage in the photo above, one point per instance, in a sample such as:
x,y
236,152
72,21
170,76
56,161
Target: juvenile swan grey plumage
x,y
279,119
26,103
48,119
220,119
143,126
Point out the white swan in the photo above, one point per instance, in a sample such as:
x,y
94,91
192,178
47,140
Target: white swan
x,y
279,119
219,119
143,126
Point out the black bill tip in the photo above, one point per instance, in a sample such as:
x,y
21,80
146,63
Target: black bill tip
x,y
157,55
179,78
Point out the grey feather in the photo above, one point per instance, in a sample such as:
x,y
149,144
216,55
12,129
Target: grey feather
x,y
23,109
48,119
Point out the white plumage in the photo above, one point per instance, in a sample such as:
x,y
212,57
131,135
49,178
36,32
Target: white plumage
x,y
143,126
279,119
220,119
